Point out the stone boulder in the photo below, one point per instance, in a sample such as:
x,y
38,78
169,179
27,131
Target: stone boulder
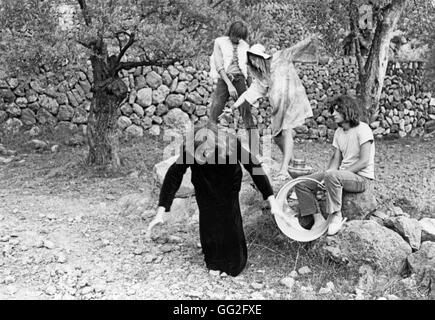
x,y
363,242
174,100
49,103
182,210
357,206
427,229
66,113
12,126
136,204
134,131
37,144
159,95
28,117
80,116
408,228
124,122
422,263
177,120
186,189
153,79
145,97
154,130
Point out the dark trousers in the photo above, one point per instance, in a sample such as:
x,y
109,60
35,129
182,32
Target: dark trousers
x,y
335,182
220,98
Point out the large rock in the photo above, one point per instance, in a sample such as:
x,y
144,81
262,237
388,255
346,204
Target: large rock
x,y
408,228
145,97
12,126
359,205
49,103
174,100
363,242
13,110
178,120
159,95
44,117
7,95
80,116
195,98
427,229
182,87
65,113
182,210
134,131
124,122
186,189
154,80
138,110
28,117
422,263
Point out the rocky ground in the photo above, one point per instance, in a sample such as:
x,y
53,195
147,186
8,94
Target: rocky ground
x,y
68,232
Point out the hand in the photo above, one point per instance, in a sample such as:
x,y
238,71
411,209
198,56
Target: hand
x,y
274,207
158,219
232,91
226,114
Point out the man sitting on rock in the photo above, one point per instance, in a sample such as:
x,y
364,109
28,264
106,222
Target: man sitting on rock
x,y
350,168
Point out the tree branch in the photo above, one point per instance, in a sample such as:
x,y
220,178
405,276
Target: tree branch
x,y
353,13
217,3
135,64
129,43
85,44
85,12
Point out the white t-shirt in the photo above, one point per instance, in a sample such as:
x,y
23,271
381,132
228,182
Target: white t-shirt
x,y
349,143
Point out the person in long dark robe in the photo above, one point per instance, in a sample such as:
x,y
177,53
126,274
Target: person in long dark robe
x,y
217,177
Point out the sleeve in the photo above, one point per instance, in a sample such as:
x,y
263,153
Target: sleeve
x,y
335,140
365,134
254,92
253,166
172,182
296,50
218,57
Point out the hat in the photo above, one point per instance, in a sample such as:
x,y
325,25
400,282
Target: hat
x,y
299,168
259,50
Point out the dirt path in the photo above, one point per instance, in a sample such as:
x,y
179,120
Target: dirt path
x,y
64,236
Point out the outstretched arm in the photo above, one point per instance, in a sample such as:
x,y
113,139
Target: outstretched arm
x,y
170,186
171,183
297,49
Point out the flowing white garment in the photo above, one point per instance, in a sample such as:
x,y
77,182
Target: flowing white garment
x,y
287,96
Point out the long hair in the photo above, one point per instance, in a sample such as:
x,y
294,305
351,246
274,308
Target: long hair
x,y
238,30
259,66
348,107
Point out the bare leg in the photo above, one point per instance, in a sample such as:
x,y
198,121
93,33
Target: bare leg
x,y
254,142
285,143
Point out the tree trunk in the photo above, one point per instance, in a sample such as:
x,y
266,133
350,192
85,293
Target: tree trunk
x,y
102,133
372,79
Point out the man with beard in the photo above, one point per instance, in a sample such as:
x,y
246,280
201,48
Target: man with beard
x,y
350,168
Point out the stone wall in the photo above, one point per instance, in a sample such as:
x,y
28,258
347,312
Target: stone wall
x,y
160,97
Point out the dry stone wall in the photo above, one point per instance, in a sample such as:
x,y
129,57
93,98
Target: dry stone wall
x,y
167,96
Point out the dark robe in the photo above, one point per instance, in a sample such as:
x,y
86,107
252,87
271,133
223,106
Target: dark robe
x,y
217,188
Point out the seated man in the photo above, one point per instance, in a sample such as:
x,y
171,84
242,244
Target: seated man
x,y
350,167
